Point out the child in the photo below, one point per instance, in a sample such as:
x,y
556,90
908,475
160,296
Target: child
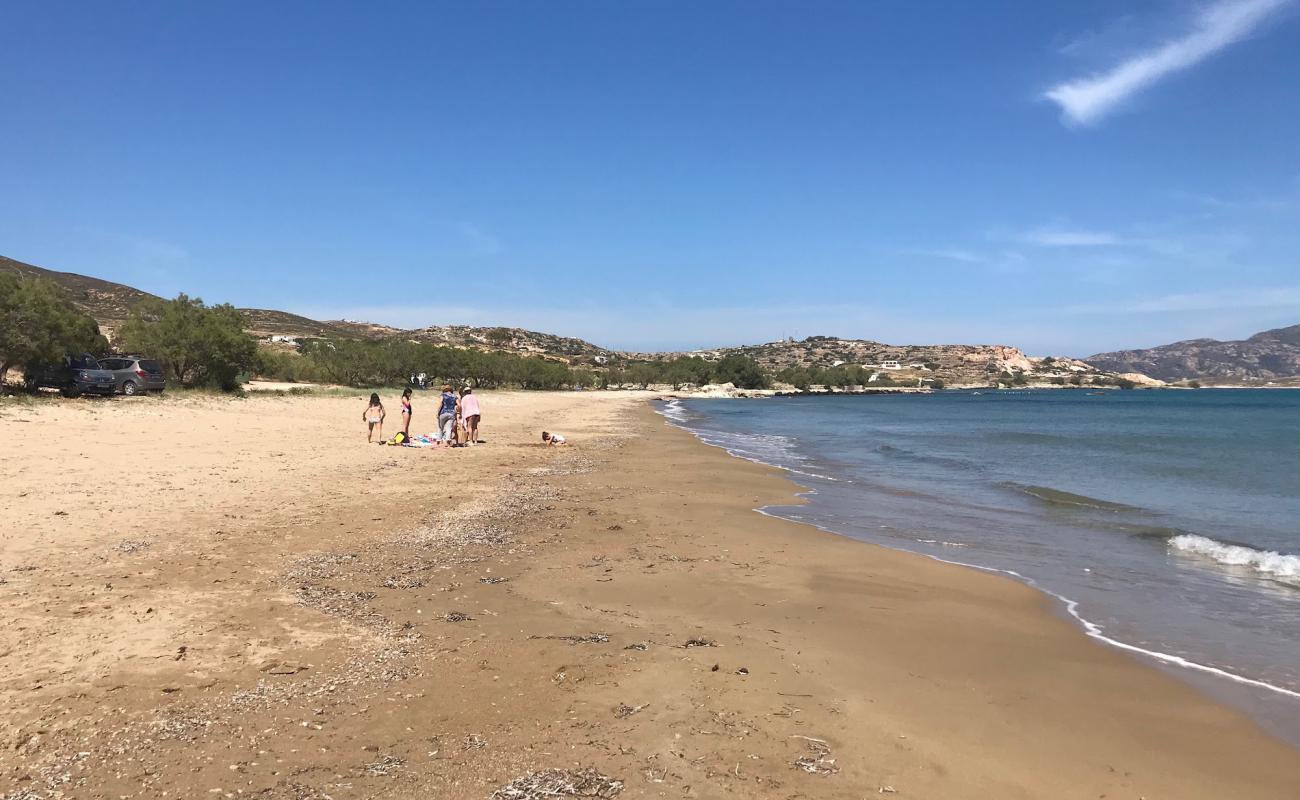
x,y
374,418
406,412
553,439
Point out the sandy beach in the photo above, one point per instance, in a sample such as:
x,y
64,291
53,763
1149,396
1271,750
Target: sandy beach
x,y
213,597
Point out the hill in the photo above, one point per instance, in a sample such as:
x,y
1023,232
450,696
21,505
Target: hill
x,y
110,303
107,302
1266,356
955,364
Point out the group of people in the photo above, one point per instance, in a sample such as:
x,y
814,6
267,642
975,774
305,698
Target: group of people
x,y
458,418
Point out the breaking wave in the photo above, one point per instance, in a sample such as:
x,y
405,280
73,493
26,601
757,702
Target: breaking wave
x,y
1268,563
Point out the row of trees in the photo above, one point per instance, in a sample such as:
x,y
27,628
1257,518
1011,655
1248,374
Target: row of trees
x,y
392,362
741,371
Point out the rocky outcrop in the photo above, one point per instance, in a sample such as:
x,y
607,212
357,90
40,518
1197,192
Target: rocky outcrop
x,y
1266,356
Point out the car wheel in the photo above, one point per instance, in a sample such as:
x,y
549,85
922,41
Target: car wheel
x,y
130,389
70,391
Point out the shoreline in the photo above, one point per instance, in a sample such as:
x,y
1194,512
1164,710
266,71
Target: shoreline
x,y
615,605
1242,692
1067,605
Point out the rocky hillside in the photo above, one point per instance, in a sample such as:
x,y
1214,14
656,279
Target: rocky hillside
x,y
108,302
955,364
515,340
1267,356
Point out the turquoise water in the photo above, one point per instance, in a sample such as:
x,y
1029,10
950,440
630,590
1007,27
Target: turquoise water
x,y
1166,522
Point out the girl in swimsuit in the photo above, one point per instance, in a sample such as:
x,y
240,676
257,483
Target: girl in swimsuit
x,y
406,413
373,416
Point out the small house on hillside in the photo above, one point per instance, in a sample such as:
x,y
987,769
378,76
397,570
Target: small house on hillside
x,y
890,365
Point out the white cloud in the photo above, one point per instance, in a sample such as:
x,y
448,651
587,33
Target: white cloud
x,y
1068,237
1274,297
1087,100
953,254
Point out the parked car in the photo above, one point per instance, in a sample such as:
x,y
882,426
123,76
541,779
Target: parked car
x,y
133,374
73,375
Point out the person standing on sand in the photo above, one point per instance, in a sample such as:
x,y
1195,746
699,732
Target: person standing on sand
x,y
406,413
447,406
373,416
470,414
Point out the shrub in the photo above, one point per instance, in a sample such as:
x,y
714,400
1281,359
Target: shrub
x,y
38,325
197,344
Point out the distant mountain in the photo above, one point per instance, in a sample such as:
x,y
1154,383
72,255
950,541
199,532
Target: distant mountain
x,y
1270,355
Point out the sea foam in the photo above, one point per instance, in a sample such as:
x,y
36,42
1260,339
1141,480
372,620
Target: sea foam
x,y
1277,566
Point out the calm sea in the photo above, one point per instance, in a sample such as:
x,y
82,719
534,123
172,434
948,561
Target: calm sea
x,y
1166,522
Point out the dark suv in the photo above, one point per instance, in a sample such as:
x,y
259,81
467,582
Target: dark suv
x,y
133,375
74,375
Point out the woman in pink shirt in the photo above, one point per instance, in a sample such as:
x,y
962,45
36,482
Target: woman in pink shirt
x,y
469,415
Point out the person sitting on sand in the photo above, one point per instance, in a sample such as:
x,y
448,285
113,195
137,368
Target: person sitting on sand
x,y
447,406
406,412
469,414
553,439
373,416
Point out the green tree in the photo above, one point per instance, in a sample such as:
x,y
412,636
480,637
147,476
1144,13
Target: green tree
x,y
38,325
740,371
197,344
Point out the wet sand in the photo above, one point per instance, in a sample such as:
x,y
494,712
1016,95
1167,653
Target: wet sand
x,y
208,597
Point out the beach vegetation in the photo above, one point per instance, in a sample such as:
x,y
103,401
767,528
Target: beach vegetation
x,y
39,325
392,362
198,345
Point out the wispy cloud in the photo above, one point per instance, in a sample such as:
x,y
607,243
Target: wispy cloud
x,y
1221,300
1086,100
1068,237
953,254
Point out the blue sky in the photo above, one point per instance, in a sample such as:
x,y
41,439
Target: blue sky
x,y
1065,177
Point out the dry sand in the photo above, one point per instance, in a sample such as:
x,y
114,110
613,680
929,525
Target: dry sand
x,y
208,597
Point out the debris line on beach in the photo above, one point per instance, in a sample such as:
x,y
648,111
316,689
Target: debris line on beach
x,y
560,783
818,761
590,638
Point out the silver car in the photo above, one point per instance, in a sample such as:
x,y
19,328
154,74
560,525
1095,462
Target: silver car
x,y
133,375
